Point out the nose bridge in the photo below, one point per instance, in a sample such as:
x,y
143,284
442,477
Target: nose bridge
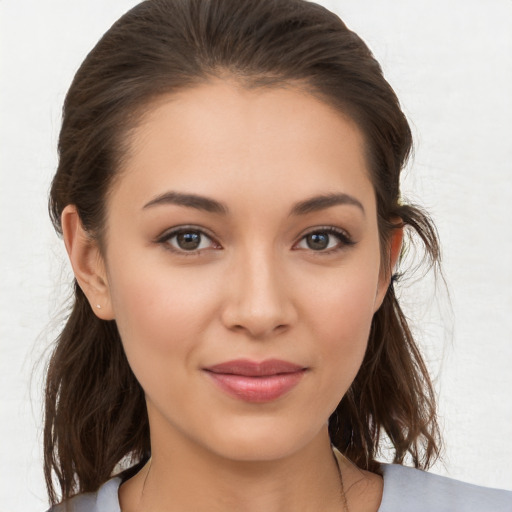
x,y
259,300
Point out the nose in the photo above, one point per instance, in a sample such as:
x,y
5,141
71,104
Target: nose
x,y
259,298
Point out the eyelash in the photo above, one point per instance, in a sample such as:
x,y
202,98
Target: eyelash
x,y
165,238
344,239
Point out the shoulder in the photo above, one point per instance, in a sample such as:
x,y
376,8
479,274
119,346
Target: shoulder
x,y
106,499
413,490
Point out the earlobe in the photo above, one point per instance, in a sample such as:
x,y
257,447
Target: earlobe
x,y
87,263
395,247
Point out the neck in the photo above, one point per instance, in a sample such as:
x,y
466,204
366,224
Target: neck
x,y
185,479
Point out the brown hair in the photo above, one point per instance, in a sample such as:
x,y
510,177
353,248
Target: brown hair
x,y
95,408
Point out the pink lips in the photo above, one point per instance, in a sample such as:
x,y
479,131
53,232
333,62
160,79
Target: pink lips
x,y
256,382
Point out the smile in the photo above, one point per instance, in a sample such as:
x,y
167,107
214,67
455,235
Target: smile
x,y
256,382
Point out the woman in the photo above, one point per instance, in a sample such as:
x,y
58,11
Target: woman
x,y
228,193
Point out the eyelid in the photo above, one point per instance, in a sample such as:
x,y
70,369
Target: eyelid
x,y
344,236
164,237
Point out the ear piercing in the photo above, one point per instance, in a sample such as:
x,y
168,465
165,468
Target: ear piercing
x,y
98,306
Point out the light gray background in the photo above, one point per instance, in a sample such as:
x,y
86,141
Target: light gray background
x,y
450,63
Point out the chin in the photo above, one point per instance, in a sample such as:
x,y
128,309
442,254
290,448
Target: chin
x,y
264,442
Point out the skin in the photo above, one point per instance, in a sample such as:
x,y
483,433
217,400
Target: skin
x,y
254,289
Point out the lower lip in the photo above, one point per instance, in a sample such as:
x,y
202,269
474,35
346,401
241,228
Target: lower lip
x,y
257,389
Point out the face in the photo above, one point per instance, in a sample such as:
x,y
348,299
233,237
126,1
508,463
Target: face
x,y
243,266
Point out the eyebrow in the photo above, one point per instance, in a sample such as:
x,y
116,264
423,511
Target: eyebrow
x,y
313,204
190,201
323,201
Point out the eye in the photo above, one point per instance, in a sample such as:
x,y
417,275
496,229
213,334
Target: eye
x,y
325,239
187,240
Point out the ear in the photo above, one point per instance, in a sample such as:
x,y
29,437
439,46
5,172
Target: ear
x,y
87,262
395,246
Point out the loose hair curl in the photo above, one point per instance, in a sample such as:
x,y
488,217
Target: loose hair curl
x,y
95,414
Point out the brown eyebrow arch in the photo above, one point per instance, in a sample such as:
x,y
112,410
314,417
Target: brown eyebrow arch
x,y
207,204
190,201
324,201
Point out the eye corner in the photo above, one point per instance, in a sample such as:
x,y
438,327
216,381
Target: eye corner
x,y
196,243
323,243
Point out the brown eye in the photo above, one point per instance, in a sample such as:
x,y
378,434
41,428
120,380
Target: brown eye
x,y
325,240
317,241
188,240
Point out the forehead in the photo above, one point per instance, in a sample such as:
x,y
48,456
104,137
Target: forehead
x,y
268,144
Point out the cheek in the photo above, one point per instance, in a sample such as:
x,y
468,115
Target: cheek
x,y
344,301
346,325
159,312
341,317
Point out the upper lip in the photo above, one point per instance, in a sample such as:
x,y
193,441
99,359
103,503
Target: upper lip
x,y
249,368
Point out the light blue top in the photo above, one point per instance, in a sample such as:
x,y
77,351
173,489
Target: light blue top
x,y
405,490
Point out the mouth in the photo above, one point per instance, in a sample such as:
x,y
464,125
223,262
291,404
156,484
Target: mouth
x,y
256,382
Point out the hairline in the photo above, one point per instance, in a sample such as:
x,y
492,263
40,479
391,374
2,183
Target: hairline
x,y
136,116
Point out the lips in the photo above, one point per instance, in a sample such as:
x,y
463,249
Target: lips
x,y
256,382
